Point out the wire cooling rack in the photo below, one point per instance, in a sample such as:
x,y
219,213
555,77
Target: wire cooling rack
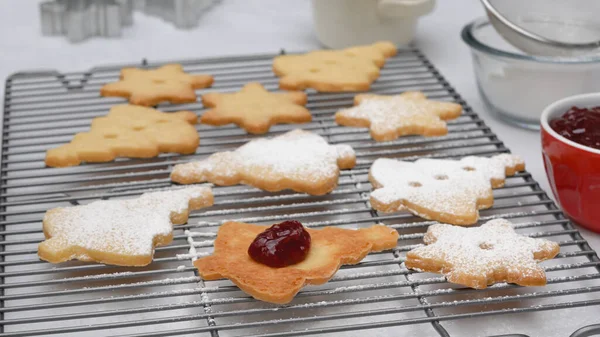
x,y
377,297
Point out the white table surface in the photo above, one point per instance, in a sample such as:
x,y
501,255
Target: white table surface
x,y
251,26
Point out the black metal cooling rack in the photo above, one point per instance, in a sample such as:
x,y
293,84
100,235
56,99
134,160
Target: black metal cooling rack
x,y
377,297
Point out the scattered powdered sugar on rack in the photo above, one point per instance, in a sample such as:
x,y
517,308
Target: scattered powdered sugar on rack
x,y
199,234
450,187
166,281
478,256
193,254
123,227
295,155
102,276
204,243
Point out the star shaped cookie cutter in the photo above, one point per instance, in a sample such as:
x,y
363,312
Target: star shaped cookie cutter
x,y
81,19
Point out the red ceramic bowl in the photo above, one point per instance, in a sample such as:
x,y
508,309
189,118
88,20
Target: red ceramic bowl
x,y
573,169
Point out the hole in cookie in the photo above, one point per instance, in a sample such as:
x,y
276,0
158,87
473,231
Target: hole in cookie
x,y
110,136
162,121
314,70
468,168
486,246
441,177
415,184
158,81
138,128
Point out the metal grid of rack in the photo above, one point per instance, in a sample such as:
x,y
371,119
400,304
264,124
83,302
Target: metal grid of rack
x,y
44,109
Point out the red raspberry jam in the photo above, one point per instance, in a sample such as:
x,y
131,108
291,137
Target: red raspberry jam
x,y
281,245
581,125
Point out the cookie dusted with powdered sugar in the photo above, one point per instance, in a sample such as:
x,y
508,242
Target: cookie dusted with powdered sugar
x,y
450,191
119,232
389,117
478,257
298,160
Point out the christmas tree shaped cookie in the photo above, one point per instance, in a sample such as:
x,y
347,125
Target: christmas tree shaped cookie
x,y
350,69
129,131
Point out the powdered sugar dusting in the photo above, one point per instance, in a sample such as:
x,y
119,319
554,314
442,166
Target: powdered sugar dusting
x,y
481,253
124,227
439,185
387,114
295,155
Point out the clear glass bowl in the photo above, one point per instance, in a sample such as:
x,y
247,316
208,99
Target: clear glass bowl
x,y
516,87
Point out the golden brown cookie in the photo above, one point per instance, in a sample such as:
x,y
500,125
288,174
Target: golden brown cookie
x,y
297,160
129,131
255,109
150,87
450,191
350,69
478,257
119,232
330,248
390,117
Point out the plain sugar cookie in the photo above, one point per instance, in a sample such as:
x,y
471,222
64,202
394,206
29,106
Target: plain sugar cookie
x,y
255,109
129,131
350,69
149,87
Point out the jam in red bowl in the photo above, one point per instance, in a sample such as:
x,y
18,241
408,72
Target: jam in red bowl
x,y
570,130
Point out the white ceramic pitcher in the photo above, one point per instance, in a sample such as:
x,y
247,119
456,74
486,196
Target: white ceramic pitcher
x,y
343,23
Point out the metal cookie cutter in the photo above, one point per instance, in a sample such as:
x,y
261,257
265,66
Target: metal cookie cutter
x,y
182,14
81,19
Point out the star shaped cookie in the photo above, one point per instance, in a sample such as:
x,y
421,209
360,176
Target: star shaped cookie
x,y
350,69
150,87
129,131
389,117
119,232
297,160
330,248
478,257
255,109
450,191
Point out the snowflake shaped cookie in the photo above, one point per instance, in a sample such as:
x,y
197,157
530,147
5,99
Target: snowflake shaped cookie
x,y
350,69
481,256
119,232
255,109
330,248
129,131
450,191
389,117
150,87
297,160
